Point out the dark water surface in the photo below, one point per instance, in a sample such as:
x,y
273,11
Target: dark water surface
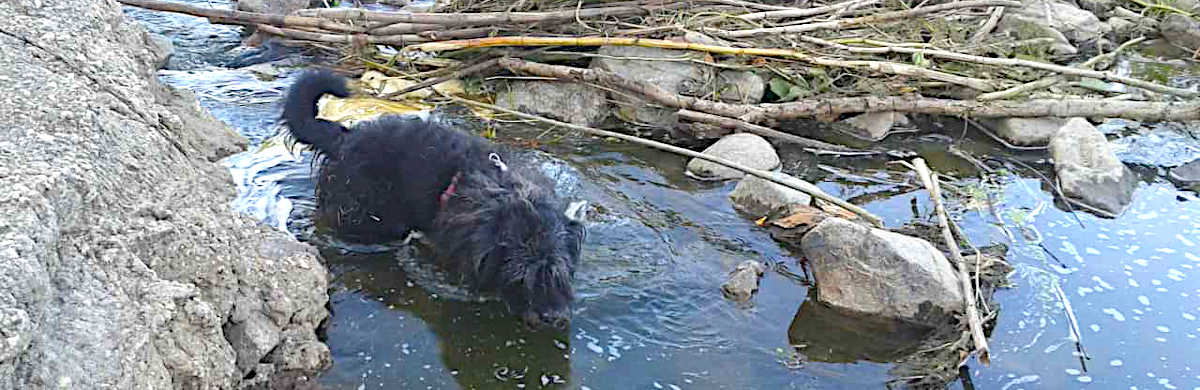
x,y
650,313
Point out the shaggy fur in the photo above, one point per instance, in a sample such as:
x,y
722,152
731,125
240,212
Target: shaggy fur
x,y
499,230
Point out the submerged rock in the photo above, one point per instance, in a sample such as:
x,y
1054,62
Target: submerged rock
x,y
745,148
878,273
646,64
832,336
758,196
566,101
875,126
120,260
743,281
1026,131
1181,30
1088,170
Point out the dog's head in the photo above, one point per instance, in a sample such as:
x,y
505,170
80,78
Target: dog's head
x,y
515,237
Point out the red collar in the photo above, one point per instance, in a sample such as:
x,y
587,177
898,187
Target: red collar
x,y
449,191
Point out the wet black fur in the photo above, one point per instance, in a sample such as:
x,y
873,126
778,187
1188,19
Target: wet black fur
x,y
501,231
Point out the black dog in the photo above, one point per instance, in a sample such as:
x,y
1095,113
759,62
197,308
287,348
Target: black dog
x,y
497,225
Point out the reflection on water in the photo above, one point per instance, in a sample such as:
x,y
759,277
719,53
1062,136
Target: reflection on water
x,y
650,313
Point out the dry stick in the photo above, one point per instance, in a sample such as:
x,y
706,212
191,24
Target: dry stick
x,y
483,18
870,19
1146,111
1009,62
776,177
1048,82
470,70
799,13
731,123
987,27
935,194
752,5
363,39
878,66
226,16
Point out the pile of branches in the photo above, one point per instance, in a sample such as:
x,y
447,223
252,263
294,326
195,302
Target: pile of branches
x,y
841,57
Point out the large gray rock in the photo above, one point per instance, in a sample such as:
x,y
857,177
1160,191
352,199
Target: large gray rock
x,y
565,101
1026,131
758,196
744,148
1024,27
120,261
646,64
1078,25
1187,173
879,273
875,126
1181,30
1089,170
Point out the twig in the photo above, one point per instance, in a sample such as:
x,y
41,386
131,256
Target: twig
x,y
973,320
363,39
798,12
777,177
482,18
752,5
1009,62
1148,111
878,66
730,123
470,70
242,18
870,19
1047,82
1073,324
987,27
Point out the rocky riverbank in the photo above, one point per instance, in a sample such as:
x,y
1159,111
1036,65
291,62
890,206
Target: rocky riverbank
x,y
121,263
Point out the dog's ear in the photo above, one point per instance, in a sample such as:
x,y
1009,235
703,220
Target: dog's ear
x,y
577,211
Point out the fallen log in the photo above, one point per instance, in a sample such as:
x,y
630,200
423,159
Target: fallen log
x,y
833,107
242,18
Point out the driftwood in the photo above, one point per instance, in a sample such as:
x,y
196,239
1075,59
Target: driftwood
x,y
487,18
974,321
1149,111
734,124
225,16
864,20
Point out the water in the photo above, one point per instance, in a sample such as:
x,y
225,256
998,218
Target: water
x,y
650,313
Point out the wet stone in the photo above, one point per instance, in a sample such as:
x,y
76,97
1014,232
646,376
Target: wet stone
x,y
1026,131
875,126
877,273
566,101
747,149
743,281
1088,169
758,196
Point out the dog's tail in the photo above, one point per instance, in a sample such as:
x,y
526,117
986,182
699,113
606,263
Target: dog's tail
x,y
300,109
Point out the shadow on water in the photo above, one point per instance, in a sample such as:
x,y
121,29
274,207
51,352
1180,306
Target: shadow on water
x,y
649,312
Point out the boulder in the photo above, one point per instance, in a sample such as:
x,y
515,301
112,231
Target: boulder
x,y
1181,31
1122,29
120,260
1088,170
1022,27
566,101
743,281
874,272
639,63
1077,25
744,148
740,87
875,126
758,196
1187,173
1026,131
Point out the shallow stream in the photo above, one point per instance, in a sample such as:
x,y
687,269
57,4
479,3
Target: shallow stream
x,y
650,314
